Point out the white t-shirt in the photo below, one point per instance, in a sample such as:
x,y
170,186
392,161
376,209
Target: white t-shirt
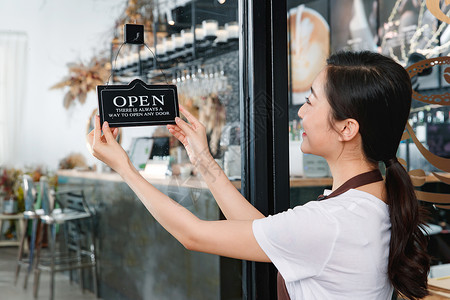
x,y
337,248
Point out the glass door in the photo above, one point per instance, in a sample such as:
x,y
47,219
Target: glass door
x,y
194,45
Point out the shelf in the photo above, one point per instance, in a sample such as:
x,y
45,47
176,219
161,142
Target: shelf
x,y
181,58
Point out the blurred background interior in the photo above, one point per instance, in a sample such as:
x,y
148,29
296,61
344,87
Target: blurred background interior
x,y
66,217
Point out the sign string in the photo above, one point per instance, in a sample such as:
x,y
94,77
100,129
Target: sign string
x,y
115,63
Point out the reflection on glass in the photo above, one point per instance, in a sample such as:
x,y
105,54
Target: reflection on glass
x,y
404,30
309,48
354,25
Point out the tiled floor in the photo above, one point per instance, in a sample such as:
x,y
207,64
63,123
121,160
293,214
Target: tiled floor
x,y
64,290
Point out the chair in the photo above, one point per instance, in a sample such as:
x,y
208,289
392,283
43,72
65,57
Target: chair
x,y
30,215
76,221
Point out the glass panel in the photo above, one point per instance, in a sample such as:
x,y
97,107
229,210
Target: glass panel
x,y
404,30
410,33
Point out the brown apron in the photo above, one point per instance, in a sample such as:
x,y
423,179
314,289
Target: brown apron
x,y
354,182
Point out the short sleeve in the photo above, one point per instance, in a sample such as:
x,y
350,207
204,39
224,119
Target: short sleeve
x,y
298,241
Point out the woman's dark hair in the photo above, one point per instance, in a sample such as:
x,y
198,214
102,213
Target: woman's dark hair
x,y
376,91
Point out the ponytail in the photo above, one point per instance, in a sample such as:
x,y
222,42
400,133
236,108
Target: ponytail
x,y
409,261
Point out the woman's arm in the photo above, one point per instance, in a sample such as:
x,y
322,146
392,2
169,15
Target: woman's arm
x,y
227,238
193,137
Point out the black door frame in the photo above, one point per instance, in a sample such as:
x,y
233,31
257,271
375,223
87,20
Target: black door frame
x,y
264,122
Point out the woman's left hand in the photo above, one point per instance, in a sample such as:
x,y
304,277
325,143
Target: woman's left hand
x,y
106,148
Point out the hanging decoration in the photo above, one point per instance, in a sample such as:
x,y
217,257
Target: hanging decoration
x,y
427,64
82,79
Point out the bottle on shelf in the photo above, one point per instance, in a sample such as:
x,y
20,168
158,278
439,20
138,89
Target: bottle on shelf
x,y
210,28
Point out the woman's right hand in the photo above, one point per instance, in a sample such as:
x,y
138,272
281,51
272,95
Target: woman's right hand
x,y
106,148
192,136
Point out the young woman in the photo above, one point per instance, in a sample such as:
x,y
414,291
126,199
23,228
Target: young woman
x,y
363,240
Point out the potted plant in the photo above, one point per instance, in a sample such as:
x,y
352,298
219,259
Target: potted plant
x,y
10,190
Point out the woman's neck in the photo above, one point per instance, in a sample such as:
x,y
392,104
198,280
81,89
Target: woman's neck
x,y
344,169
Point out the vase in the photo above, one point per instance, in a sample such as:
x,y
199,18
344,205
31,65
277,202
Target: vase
x,y
9,205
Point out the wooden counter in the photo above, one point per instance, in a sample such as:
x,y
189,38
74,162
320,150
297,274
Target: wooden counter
x,y
189,182
309,182
197,182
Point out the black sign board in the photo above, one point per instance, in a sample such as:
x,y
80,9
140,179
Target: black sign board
x,y
137,104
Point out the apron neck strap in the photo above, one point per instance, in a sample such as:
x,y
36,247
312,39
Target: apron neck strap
x,y
354,182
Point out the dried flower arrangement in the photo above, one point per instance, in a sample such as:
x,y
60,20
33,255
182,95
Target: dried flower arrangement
x,y
9,181
212,114
83,78
140,11
72,161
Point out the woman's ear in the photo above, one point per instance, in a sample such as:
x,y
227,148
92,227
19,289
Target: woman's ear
x,y
348,129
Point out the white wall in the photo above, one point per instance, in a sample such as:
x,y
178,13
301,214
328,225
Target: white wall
x,y
59,32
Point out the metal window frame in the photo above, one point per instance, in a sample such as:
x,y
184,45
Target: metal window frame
x,y
264,123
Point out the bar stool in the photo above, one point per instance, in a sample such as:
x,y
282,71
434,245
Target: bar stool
x,y
31,215
76,220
